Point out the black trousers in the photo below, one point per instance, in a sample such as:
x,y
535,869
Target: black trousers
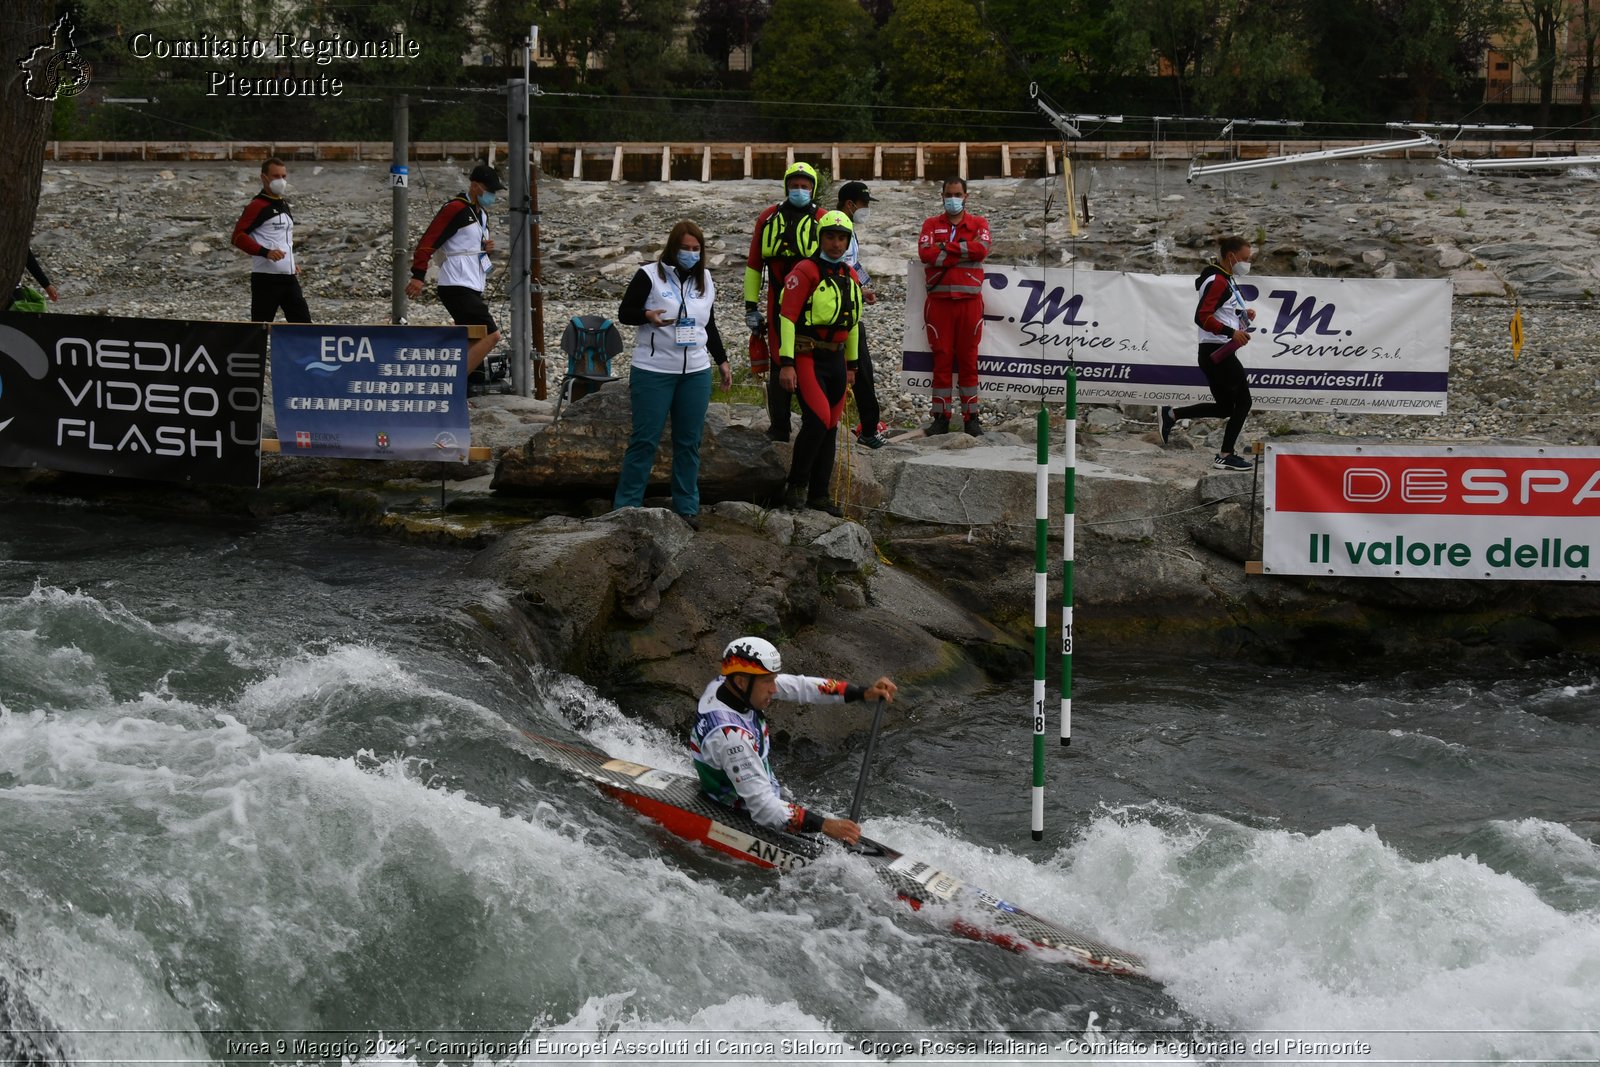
x,y
1230,392
866,392
821,388
269,292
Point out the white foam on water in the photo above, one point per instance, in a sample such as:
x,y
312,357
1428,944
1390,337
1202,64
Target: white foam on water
x,y
1552,850
600,722
744,1029
1337,934
262,877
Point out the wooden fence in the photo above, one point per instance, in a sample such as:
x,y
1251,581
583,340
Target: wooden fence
x,y
635,161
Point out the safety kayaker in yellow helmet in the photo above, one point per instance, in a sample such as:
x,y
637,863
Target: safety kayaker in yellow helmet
x,y
784,234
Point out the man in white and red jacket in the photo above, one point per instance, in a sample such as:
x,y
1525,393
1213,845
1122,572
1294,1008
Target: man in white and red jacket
x,y
952,247
1223,320
265,231
459,235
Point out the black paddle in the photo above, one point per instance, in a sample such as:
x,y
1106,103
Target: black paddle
x,y
866,763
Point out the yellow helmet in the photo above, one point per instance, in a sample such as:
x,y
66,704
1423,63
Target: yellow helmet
x,y
835,220
804,170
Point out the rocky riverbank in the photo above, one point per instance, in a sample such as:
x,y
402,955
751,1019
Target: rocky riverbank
x,y
153,239
935,573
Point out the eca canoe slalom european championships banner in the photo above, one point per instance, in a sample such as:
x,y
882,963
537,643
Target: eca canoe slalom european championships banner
x,y
1421,511
1318,344
371,392
133,398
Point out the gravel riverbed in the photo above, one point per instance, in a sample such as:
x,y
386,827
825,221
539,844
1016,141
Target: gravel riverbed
x,y
152,239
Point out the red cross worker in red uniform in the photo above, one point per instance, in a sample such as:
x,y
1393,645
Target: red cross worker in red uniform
x,y
952,247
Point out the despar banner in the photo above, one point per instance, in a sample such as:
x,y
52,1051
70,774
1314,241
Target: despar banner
x,y
1442,511
371,392
1317,344
134,398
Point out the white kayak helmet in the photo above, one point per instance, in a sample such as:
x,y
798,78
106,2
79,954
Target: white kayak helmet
x,y
751,655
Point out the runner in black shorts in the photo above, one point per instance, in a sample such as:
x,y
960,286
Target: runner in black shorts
x,y
467,306
459,236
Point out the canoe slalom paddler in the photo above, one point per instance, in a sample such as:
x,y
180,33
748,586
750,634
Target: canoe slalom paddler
x,y
731,747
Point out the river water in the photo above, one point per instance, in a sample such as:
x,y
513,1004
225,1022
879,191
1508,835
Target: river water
x,y
261,787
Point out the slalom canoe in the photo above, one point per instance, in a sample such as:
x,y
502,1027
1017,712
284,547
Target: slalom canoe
x,y
677,804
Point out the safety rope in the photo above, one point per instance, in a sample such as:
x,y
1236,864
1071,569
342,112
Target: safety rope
x,y
843,480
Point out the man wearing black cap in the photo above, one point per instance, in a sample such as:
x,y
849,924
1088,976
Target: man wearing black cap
x,y
853,201
459,235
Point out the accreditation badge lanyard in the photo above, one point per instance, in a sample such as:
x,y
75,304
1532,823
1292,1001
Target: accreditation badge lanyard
x,y
1235,297
483,238
683,330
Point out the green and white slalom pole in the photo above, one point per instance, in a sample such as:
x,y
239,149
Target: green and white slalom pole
x,y
1041,540
1068,529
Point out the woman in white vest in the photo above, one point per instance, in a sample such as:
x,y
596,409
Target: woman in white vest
x,y
671,302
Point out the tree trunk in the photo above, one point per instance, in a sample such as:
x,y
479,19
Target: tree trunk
x,y
24,122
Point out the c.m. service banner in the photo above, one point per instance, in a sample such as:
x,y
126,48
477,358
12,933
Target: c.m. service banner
x,y
134,398
371,392
1421,511
1318,344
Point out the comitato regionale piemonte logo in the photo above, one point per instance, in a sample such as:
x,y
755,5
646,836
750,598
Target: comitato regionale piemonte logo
x,y
56,68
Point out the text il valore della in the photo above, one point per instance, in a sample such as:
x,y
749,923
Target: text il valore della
x,y
276,48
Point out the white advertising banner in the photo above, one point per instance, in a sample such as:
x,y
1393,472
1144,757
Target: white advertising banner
x,y
1432,511
1318,344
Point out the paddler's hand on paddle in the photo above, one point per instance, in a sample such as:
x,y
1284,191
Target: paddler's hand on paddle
x,y
842,830
882,689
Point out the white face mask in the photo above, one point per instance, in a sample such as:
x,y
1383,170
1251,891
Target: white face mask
x,y
1241,268
861,216
278,186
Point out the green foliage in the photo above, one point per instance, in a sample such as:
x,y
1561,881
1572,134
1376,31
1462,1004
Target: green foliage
x,y
723,25
64,123
1260,64
939,58
822,67
816,52
1435,43
1070,46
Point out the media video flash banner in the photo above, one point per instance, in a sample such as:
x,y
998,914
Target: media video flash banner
x,y
163,399
371,392
1402,511
1368,346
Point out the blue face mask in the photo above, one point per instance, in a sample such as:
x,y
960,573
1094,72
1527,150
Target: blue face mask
x,y
953,205
800,197
486,199
831,259
688,260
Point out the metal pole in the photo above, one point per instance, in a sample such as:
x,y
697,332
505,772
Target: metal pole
x,y
1041,539
1068,536
536,273
517,284
399,181
536,285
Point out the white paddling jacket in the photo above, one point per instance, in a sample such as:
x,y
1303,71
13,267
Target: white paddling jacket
x,y
732,751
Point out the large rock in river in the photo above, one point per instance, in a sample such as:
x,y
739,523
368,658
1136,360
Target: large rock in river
x,y
641,607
